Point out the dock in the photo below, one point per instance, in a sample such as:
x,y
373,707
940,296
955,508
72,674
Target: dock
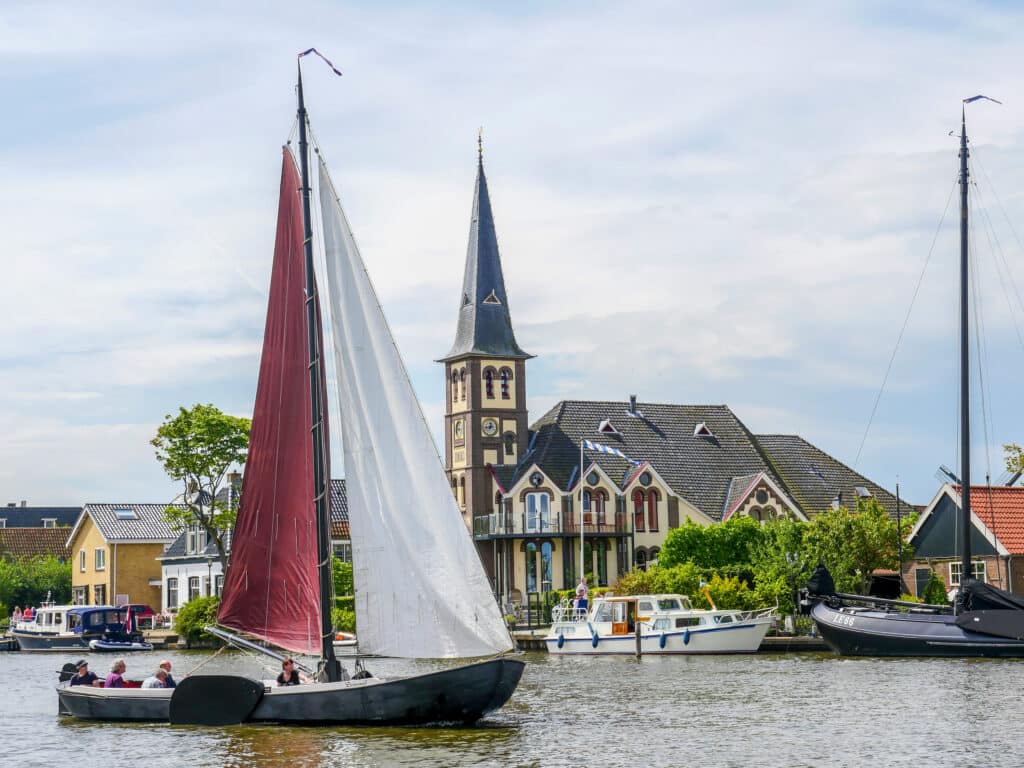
x,y
533,640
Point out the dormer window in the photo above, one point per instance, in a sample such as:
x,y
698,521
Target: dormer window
x,y
606,428
492,298
701,430
862,492
49,522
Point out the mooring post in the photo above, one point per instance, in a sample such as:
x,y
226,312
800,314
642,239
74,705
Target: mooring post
x,y
639,651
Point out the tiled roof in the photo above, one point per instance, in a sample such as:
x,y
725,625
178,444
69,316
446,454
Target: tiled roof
x,y
738,488
485,325
29,542
147,525
1001,509
339,510
814,478
698,469
32,517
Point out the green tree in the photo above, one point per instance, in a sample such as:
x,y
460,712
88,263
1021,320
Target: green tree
x,y
194,616
780,565
29,580
1013,456
196,448
730,543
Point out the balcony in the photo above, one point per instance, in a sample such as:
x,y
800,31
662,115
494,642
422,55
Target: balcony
x,y
503,524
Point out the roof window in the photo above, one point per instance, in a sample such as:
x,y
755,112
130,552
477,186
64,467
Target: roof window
x,y
125,513
701,430
606,428
492,298
862,492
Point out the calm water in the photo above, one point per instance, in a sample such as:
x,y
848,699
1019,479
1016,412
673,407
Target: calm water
x,y
791,710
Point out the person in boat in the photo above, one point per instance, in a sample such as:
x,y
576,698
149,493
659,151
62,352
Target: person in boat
x,y
84,677
28,614
16,616
289,674
581,588
116,677
169,681
157,680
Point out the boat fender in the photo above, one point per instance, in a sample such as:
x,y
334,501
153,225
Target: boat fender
x,y
686,637
661,640
593,640
561,640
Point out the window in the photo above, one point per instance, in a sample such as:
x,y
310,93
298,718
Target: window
x,y
343,551
462,491
587,517
668,604
489,384
645,606
49,522
79,595
606,428
531,567
510,444
652,511
641,560
638,512
538,513
81,561
761,496
3,522
598,507
462,383
172,594
125,513
506,377
455,386
99,594
101,559
218,582
193,587
978,566
602,563
545,566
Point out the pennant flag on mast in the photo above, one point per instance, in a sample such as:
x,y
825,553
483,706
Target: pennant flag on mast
x,y
592,446
329,64
981,96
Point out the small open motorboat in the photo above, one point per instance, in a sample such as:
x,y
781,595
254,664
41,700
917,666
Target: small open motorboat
x,y
667,624
119,646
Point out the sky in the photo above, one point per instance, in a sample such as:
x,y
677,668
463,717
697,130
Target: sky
x,y
694,204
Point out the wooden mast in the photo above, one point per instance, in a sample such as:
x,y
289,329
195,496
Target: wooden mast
x,y
965,367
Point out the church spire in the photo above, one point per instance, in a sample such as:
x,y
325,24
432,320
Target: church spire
x,y
485,325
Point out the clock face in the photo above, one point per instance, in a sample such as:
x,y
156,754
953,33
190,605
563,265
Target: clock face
x,y
458,429
490,427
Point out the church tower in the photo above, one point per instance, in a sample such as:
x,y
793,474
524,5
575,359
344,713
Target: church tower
x,y
485,374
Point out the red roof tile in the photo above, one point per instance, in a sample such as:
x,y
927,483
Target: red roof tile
x,y
1001,509
28,542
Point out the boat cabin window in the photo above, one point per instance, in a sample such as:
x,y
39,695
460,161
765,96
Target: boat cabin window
x,y
603,612
689,621
645,606
58,618
668,604
727,619
75,622
662,624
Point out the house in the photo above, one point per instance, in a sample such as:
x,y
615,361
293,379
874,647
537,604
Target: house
x,y
114,550
24,516
190,566
652,465
16,543
997,538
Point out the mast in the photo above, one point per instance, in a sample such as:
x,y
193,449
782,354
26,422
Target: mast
x,y
331,667
965,409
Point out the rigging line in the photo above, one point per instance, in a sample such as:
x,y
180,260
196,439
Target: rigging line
x,y
981,350
1009,222
906,320
1000,257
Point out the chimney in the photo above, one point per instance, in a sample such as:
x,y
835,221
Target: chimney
x,y
632,405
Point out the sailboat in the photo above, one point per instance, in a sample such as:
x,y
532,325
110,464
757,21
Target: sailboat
x,y
985,621
421,591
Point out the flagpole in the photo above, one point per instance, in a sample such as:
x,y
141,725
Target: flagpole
x,y
582,572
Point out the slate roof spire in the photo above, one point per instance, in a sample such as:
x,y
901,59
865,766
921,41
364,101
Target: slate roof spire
x,y
485,325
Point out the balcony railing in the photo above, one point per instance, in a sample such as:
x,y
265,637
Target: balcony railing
x,y
504,524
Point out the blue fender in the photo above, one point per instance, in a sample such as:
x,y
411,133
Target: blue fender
x,y
686,637
661,640
561,640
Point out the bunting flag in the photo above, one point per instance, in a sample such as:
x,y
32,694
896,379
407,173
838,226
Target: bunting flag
x,y
592,446
966,101
329,64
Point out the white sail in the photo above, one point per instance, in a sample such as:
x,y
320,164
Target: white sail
x,y
421,591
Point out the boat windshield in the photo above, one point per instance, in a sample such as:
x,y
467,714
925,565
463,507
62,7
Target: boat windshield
x,y
603,612
669,604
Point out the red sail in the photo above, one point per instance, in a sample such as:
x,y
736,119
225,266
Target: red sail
x,y
272,588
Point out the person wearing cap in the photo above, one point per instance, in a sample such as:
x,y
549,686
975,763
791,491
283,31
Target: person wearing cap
x,y
84,677
158,680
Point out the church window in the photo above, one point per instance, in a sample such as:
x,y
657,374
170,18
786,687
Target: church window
x,y
462,382
506,376
455,386
489,384
510,444
462,491
638,511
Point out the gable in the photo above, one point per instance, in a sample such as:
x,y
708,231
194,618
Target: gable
x,y
938,536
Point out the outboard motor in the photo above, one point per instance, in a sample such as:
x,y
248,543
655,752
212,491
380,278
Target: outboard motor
x,y
820,584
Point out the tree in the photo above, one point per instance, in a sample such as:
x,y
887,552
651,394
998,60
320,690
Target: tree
x,y
713,546
1013,455
196,448
29,580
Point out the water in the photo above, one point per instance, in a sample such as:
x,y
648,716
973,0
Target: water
x,y
764,710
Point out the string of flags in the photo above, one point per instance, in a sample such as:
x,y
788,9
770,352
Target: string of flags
x,y
590,445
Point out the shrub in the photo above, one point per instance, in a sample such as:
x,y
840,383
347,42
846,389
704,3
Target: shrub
x,y
934,592
194,616
344,619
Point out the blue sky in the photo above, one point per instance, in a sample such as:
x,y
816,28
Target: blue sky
x,y
696,205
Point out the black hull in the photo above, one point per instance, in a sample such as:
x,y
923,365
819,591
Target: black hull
x,y
872,632
459,695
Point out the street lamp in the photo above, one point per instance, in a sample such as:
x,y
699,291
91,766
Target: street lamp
x,y
209,575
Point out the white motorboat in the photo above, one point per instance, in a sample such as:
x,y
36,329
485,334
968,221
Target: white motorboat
x,y
668,624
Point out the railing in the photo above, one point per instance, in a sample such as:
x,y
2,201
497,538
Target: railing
x,y
501,523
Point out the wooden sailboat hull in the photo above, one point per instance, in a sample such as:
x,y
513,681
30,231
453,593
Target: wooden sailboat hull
x,y
873,632
460,695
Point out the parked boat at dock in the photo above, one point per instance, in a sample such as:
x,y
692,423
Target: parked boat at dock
x,y
74,627
668,624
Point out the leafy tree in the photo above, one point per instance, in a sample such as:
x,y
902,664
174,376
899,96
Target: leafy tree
x,y
780,565
28,580
713,546
197,447
1013,456
934,592
195,616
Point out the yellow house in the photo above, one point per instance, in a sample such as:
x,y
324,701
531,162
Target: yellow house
x,y
114,550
